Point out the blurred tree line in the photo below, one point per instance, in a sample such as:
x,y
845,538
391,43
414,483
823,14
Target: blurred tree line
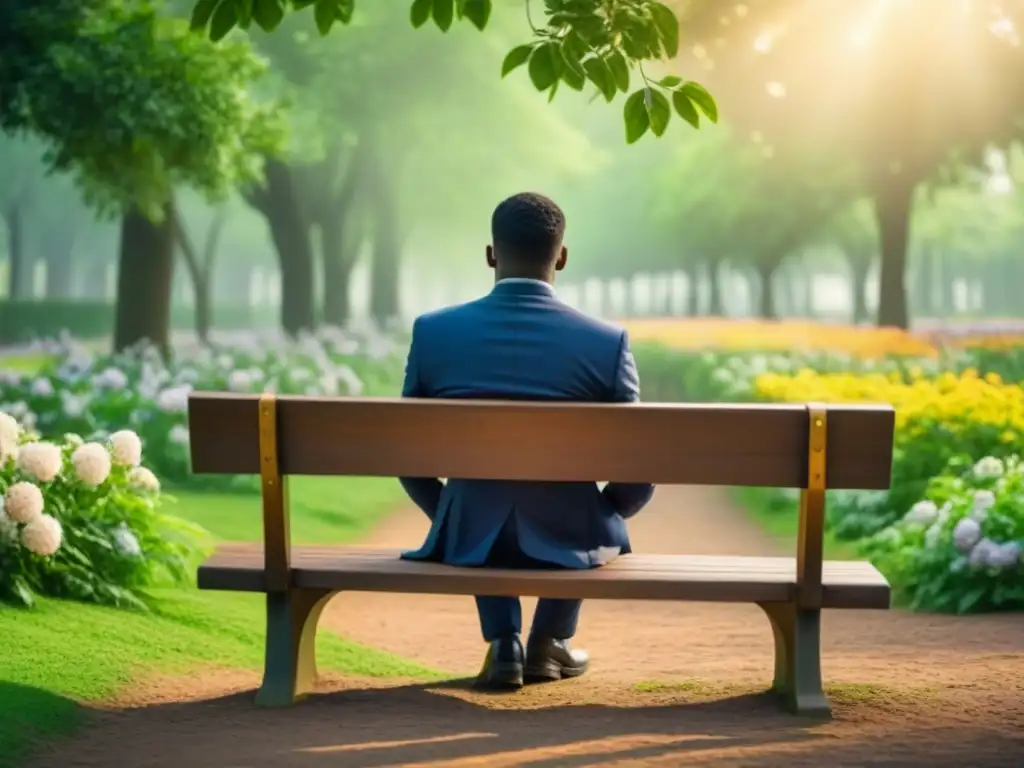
x,y
859,144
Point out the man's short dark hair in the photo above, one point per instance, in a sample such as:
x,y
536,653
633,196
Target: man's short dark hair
x,y
528,227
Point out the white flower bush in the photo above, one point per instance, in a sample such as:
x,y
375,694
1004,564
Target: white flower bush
x,y
961,549
81,521
98,396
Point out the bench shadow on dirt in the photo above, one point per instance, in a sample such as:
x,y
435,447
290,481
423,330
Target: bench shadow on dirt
x,y
432,724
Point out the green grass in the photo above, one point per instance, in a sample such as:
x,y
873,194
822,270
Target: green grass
x,y
61,653
23,363
782,521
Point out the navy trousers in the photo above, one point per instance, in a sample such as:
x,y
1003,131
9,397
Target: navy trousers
x,y
503,616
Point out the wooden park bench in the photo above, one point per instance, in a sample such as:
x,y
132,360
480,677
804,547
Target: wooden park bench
x,y
810,447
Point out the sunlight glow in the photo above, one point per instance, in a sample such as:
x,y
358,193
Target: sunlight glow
x,y
763,42
775,89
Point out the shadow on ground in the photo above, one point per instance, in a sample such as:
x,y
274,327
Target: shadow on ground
x,y
447,724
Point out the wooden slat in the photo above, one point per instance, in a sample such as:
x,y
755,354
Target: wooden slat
x,y
737,445
631,577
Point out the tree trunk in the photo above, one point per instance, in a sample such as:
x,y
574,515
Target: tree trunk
x,y
859,268
19,275
145,274
924,283
338,262
387,244
893,200
278,201
58,246
713,270
766,283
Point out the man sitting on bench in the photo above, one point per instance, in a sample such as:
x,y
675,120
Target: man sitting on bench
x,y
520,342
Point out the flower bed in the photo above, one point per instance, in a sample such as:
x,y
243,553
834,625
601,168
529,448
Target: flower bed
x,y
937,419
93,395
959,549
82,520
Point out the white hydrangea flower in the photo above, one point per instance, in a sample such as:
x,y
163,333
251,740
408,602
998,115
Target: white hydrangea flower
x,y
72,439
42,536
174,399
126,448
985,553
966,534
983,501
933,536
10,433
74,406
353,384
239,381
42,388
125,541
988,467
23,502
1005,556
41,461
143,479
923,513
178,435
92,463
111,378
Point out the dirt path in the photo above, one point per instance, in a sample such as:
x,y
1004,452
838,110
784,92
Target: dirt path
x,y
672,684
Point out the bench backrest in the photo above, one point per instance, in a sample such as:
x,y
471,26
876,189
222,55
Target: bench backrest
x,y
694,444
812,447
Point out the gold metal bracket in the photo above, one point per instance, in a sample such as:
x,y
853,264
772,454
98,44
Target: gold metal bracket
x,y
276,539
810,543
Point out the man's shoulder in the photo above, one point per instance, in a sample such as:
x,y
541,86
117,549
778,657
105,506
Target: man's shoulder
x,y
445,315
594,325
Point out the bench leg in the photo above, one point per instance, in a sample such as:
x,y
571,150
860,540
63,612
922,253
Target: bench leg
x,y
798,658
289,672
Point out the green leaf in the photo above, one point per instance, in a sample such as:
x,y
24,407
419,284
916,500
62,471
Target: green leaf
x,y
420,12
658,111
243,12
223,20
668,28
671,81
514,58
201,14
573,77
553,91
344,10
267,14
600,75
699,95
545,65
444,13
477,11
324,14
685,109
620,70
635,115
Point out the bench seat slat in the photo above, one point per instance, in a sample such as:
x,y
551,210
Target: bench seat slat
x,y
239,567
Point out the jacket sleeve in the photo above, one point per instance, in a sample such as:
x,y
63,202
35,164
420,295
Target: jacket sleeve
x,y
425,492
627,498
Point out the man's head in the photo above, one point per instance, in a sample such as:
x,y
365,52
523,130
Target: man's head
x,y
526,238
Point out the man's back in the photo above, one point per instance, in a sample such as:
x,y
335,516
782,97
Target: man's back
x,y
521,342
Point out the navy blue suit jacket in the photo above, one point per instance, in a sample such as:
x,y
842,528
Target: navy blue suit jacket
x,y
521,342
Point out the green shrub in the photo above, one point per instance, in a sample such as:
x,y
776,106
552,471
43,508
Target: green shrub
x,y
82,521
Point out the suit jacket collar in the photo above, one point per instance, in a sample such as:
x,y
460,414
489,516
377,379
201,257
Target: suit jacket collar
x,y
522,286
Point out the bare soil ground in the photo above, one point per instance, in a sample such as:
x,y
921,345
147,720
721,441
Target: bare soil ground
x,y
671,684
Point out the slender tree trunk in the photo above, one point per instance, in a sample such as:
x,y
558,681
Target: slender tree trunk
x,y
19,265
200,270
713,270
947,281
278,201
144,278
338,262
58,246
384,269
766,283
893,200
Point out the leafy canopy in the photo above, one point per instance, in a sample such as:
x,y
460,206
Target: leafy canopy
x,y
599,42
131,103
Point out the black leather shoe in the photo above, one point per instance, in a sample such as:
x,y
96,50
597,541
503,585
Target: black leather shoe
x,y
503,665
550,659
